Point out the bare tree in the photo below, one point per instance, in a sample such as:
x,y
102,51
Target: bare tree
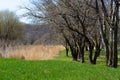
x,y
70,16
78,21
108,15
10,29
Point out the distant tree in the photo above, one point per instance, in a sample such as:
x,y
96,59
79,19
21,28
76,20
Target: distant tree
x,y
11,29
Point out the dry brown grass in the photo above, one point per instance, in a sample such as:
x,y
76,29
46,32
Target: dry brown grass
x,y
36,52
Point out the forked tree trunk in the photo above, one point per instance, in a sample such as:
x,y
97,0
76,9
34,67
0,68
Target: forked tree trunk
x,y
91,47
97,53
74,54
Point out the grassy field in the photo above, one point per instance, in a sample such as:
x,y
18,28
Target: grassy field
x,y
60,68
13,69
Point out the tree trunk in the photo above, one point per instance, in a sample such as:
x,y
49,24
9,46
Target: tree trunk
x,y
104,40
91,54
101,19
74,54
115,60
67,50
82,55
82,46
111,48
97,53
114,36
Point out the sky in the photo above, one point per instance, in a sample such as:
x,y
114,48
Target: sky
x,y
13,5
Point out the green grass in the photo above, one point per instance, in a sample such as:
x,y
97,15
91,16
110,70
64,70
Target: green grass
x,y
62,56
100,59
13,69
61,68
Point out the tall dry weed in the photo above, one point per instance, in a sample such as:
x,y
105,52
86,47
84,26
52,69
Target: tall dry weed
x,y
34,52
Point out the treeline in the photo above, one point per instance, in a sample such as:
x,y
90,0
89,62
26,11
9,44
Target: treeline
x,y
40,35
83,24
14,33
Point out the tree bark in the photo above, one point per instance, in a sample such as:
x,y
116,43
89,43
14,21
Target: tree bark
x,y
102,33
97,53
115,60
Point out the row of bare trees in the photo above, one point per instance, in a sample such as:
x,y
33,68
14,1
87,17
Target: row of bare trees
x,y
82,23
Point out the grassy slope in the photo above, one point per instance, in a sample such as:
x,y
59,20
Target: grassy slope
x,y
60,69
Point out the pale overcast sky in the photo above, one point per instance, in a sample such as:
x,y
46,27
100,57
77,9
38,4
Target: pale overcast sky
x,y
12,5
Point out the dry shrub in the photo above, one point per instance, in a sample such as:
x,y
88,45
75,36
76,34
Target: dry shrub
x,y
36,52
